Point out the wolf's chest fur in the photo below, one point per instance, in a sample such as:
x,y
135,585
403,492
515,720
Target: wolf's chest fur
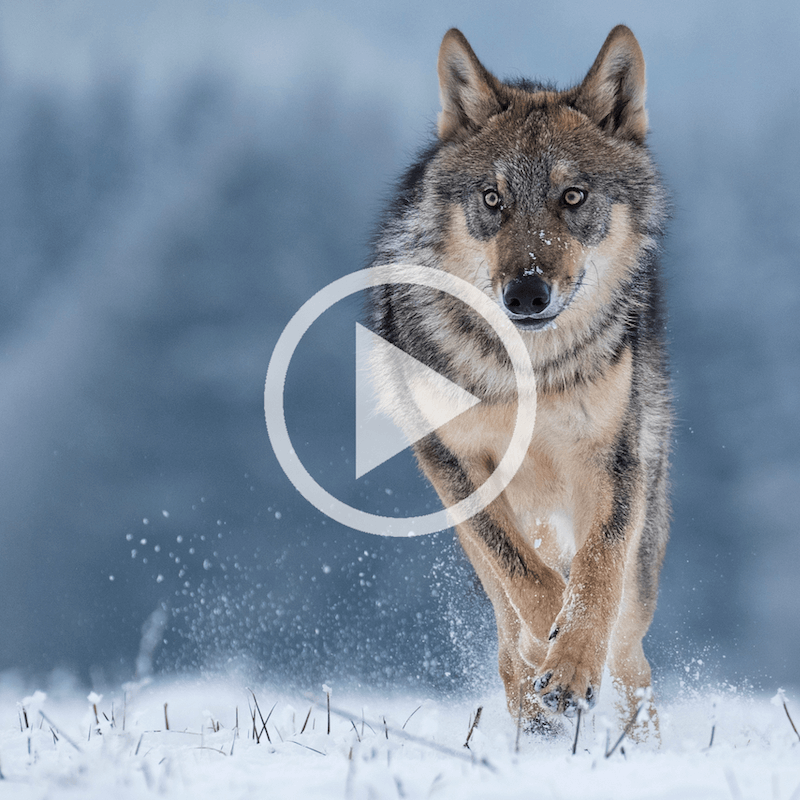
x,y
570,436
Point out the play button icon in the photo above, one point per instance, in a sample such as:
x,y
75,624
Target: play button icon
x,y
392,415
399,400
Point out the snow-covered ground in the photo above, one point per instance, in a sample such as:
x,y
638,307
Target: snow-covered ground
x,y
379,746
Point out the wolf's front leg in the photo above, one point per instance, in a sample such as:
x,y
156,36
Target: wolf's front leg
x,y
526,596
612,516
525,592
579,639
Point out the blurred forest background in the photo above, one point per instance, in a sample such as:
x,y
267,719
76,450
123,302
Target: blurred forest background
x,y
177,178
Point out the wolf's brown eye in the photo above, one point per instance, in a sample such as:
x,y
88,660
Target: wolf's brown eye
x,y
573,197
491,198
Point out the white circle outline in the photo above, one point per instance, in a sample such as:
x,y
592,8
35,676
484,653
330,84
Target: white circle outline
x,y
278,368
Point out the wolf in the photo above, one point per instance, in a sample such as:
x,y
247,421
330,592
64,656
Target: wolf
x,y
550,203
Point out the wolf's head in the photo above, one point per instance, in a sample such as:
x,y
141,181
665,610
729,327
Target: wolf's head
x,y
545,198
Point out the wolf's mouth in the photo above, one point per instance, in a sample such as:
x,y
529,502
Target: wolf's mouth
x,y
532,323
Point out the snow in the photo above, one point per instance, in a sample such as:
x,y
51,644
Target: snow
x,y
379,746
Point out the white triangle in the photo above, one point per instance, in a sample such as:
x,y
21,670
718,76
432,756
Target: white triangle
x,y
399,400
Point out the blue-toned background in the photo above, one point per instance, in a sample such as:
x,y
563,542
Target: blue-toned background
x,y
177,178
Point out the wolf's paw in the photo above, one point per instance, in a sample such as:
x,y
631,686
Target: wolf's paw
x,y
563,691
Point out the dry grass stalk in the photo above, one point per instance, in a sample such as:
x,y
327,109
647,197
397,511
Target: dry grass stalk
x,y
263,721
411,715
519,720
53,726
328,694
312,749
484,762
308,716
473,725
577,731
789,717
628,729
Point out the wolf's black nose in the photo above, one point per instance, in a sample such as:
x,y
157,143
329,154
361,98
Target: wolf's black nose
x,y
527,295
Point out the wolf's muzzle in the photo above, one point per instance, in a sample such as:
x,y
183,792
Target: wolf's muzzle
x,y
527,300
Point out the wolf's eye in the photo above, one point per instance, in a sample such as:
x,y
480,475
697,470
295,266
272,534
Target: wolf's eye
x,y
491,198
573,197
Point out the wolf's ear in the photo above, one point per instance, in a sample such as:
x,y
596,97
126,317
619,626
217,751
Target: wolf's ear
x,y
467,89
613,91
